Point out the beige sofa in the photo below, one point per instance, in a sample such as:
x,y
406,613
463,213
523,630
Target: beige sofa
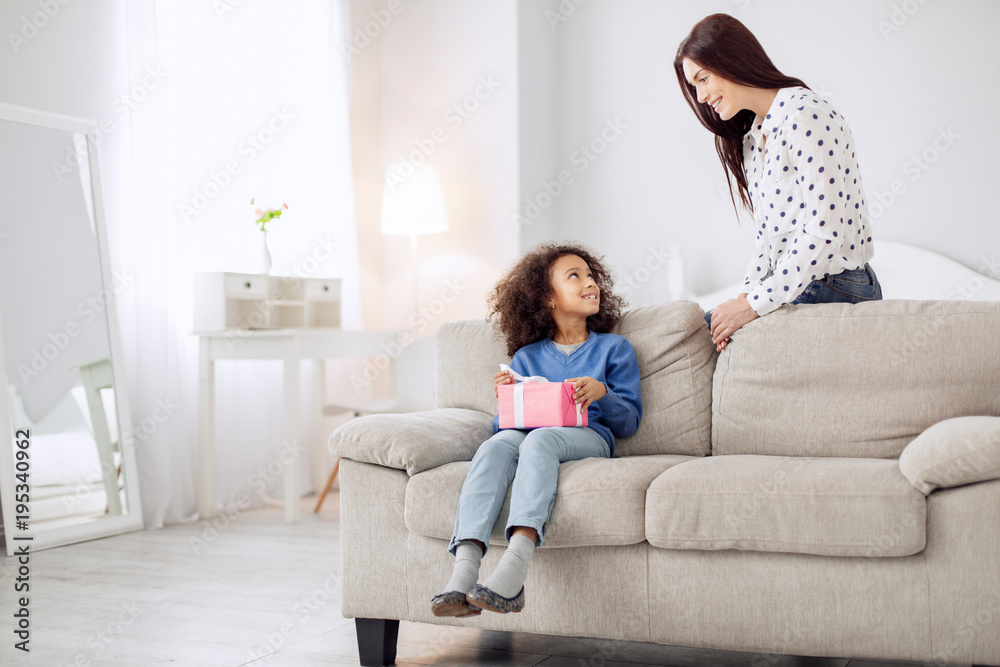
x,y
828,485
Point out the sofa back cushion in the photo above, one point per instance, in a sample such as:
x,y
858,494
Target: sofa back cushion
x,y
676,361
858,380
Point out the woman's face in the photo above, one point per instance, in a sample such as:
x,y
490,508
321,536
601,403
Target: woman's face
x,y
722,95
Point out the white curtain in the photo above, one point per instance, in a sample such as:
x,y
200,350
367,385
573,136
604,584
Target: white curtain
x,y
227,103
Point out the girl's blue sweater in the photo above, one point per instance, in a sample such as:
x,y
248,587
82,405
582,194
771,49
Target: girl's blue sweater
x,y
608,358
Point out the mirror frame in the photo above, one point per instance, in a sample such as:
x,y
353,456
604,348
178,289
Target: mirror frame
x,y
109,525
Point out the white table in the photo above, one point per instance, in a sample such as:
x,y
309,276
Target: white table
x,y
291,346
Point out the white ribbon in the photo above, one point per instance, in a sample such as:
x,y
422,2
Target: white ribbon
x,y
519,405
519,396
521,378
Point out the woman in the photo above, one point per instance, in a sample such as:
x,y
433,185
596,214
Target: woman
x,y
792,157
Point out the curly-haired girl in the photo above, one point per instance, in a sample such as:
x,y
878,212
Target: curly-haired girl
x,y
556,310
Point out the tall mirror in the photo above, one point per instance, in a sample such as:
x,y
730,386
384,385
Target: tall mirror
x,y
67,463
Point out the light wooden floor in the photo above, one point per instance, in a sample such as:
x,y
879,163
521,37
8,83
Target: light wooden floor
x,y
262,592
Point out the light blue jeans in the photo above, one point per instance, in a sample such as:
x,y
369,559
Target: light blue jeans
x,y
529,458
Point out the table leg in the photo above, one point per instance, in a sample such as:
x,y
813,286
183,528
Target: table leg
x,y
293,513
206,428
317,422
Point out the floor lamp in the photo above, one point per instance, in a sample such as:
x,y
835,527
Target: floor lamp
x,y
413,205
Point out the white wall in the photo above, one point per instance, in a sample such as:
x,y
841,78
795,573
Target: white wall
x,y
660,180
428,58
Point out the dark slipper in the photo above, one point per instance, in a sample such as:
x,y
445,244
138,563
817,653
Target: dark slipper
x,y
484,598
452,603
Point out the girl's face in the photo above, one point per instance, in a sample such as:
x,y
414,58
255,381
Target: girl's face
x,y
723,96
574,291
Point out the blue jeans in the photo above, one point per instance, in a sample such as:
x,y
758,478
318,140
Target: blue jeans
x,y
852,286
529,458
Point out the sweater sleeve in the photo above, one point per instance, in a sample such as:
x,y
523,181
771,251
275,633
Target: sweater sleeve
x,y
621,407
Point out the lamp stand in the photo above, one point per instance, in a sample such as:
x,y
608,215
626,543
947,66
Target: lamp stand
x,y
416,274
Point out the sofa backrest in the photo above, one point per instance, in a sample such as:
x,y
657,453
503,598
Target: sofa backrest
x,y
857,380
676,361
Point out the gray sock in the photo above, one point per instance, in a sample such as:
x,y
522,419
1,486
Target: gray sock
x,y
510,574
466,572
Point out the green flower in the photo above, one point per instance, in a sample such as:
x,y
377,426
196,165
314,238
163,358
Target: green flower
x,y
264,217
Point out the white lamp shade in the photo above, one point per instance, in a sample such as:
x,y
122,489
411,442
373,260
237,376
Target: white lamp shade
x,y
412,202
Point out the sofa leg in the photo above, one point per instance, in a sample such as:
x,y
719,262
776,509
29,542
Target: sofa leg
x,y
376,640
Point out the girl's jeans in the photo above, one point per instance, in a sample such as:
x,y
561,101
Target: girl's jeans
x,y
848,287
534,455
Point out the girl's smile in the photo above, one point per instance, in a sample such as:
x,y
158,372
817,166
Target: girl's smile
x,y
574,291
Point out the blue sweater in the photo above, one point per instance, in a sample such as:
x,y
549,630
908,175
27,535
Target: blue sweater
x,y
608,358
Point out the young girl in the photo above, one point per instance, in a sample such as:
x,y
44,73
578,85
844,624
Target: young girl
x,y
555,309
794,162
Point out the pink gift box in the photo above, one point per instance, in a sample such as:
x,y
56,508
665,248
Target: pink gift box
x,y
537,404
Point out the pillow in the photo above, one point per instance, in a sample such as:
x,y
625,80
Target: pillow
x,y
958,451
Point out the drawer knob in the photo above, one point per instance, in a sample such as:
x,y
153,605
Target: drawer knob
x,y
326,288
247,284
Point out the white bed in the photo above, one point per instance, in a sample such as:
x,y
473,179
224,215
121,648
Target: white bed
x,y
906,272
67,484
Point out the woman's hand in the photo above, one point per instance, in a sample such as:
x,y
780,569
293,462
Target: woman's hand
x,y
728,318
499,378
587,390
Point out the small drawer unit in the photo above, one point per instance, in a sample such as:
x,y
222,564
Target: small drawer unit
x,y
225,301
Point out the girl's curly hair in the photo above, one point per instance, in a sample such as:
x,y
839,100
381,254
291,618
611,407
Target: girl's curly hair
x,y
519,302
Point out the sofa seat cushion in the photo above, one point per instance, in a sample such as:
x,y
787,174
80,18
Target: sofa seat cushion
x,y
599,501
824,506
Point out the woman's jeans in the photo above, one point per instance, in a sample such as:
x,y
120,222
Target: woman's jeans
x,y
852,286
534,455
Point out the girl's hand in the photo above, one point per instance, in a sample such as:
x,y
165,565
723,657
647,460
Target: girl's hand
x,y
587,390
499,378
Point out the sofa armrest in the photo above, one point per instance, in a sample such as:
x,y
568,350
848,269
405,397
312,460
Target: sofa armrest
x,y
414,441
953,452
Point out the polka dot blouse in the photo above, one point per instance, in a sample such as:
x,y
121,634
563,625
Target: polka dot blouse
x,y
809,206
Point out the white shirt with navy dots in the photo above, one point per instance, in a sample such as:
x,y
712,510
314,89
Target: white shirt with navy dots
x,y
809,206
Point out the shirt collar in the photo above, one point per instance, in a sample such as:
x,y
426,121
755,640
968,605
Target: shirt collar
x,y
767,125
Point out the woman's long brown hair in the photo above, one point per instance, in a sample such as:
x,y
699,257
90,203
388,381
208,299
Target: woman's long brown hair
x,y
726,48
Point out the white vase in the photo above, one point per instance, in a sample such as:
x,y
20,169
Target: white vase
x,y
265,254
